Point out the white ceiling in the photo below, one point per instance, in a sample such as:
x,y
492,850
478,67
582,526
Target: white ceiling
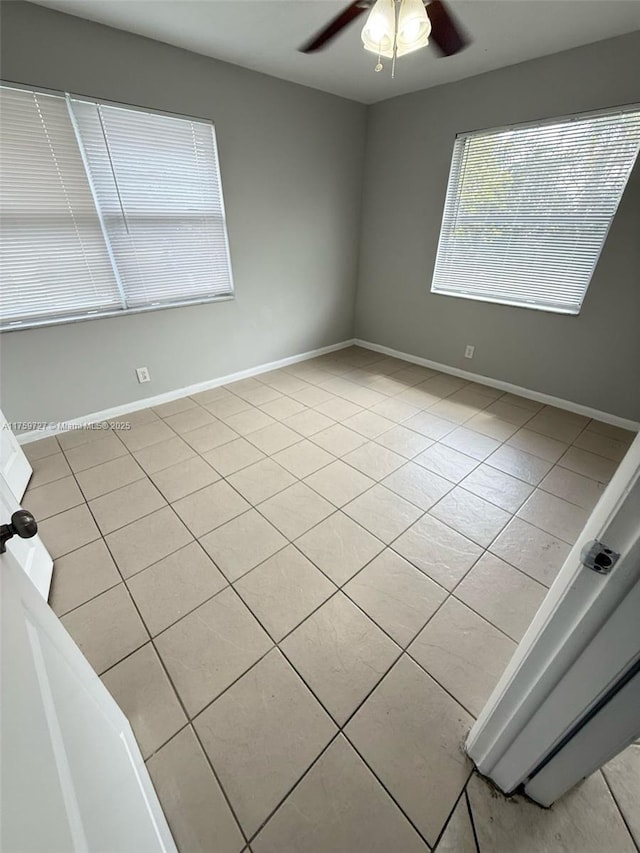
x,y
264,35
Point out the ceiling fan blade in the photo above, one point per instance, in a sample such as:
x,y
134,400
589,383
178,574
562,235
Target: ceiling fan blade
x,y
446,34
321,39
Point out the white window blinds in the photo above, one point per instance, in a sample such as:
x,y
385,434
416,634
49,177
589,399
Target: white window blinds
x,y
106,209
528,209
157,184
54,259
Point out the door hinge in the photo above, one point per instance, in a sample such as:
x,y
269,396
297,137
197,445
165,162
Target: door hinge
x,y
599,557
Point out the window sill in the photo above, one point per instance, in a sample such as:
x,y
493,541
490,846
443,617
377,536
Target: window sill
x,y
100,315
572,312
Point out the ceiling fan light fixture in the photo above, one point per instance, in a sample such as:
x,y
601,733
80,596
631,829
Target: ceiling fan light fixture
x,y
379,31
414,27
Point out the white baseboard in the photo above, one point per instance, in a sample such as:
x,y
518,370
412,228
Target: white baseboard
x,y
547,399
168,396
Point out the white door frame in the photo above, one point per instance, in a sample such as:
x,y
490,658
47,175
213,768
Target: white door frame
x,y
611,725
559,670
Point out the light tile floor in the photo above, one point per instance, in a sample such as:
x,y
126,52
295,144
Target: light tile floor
x,y
302,587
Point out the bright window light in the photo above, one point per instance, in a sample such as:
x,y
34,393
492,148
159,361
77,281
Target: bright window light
x,y
528,209
105,210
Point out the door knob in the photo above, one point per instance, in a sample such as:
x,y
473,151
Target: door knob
x,y
22,524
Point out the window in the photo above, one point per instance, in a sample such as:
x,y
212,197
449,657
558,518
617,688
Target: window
x,y
528,209
105,209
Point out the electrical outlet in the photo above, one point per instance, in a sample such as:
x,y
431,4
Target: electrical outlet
x,y
468,351
143,374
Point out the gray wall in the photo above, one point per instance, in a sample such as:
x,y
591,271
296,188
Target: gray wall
x,y
292,170
592,358
291,161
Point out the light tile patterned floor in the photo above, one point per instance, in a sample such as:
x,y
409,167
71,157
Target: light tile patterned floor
x,y
302,587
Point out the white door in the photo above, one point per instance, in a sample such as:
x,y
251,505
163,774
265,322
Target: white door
x,y
568,700
31,554
73,778
613,722
14,465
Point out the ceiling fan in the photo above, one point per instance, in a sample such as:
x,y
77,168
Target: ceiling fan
x,y
396,27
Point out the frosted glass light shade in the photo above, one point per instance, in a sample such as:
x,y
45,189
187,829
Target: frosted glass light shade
x,y
379,30
414,27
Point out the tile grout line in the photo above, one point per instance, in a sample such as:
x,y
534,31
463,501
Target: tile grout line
x,y
255,507
383,358
340,588
276,643
620,811
364,760
339,509
460,797
277,646
340,730
125,580
389,397
176,694
191,719
384,674
471,815
309,438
